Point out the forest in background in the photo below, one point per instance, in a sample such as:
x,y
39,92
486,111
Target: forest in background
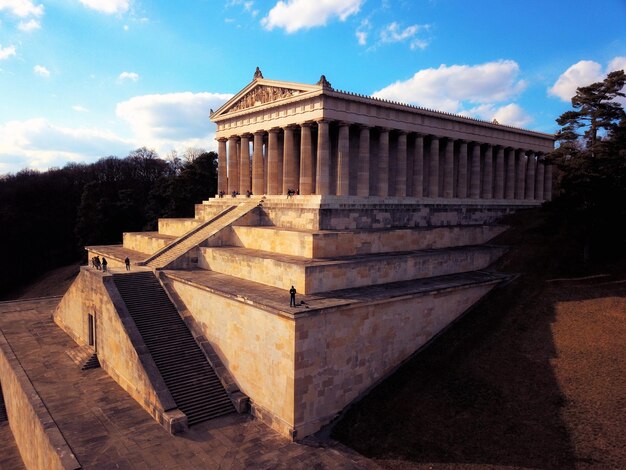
x,y
46,218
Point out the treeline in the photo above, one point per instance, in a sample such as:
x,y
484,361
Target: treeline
x,y
47,217
590,207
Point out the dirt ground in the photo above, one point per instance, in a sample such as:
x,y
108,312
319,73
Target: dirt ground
x,y
533,377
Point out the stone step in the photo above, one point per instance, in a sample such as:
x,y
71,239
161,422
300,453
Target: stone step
x,y
340,243
311,276
146,242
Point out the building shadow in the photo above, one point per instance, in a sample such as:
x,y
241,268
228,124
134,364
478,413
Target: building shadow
x,y
484,393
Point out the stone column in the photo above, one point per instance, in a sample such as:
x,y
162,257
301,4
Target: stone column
x,y
547,188
273,186
383,163
343,160
244,164
433,177
401,156
462,184
323,158
510,174
233,165
290,167
448,170
418,167
540,176
222,172
306,159
258,167
363,181
488,173
520,184
499,189
530,176
475,172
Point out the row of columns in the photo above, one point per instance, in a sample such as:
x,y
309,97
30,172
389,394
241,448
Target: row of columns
x,y
343,159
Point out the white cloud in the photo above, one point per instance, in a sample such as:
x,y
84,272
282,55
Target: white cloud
x,y
393,33
6,52
21,8
174,120
293,15
580,74
79,109
29,25
38,144
511,114
362,32
107,6
132,76
449,88
617,63
41,71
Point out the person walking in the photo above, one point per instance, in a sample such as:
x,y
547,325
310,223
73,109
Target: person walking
x,y
97,263
292,294
127,263
104,264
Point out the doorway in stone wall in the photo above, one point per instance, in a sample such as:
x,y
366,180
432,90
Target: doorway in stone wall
x,y
92,330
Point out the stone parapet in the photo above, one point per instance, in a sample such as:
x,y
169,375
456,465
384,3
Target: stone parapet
x,y
41,444
177,227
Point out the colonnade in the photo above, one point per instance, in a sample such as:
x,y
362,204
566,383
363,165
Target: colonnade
x,y
339,158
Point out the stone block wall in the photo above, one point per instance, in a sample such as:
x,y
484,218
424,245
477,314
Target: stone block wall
x,y
176,227
341,353
41,444
255,345
145,242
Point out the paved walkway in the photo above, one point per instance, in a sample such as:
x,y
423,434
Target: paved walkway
x,y
106,428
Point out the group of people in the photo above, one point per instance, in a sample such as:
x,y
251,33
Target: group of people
x,y
292,192
102,265
99,265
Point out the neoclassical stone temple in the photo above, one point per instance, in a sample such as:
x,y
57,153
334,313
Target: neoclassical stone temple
x,y
274,136
387,242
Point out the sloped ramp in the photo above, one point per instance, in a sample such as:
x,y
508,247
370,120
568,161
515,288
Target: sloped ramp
x,y
180,246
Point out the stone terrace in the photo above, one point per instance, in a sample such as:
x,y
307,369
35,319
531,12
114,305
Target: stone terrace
x,y
106,428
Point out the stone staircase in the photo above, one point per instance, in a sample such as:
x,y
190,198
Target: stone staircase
x,y
3,410
199,234
194,386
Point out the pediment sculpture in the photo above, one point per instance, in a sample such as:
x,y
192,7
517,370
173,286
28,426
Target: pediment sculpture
x,y
261,95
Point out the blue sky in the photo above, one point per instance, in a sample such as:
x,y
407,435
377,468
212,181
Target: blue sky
x,y
82,79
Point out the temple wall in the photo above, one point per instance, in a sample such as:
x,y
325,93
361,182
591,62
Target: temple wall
x,y
255,346
341,353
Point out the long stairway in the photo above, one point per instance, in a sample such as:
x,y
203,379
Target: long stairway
x,y
199,234
190,379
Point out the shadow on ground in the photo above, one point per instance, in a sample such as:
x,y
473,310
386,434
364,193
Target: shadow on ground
x,y
486,392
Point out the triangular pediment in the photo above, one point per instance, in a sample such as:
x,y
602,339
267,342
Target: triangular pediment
x,y
261,92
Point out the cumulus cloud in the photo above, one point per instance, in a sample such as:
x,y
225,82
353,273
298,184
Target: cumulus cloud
x,y
174,120
107,6
583,73
39,144
6,52
41,71
447,88
293,15
132,76
29,25
473,90
393,33
21,8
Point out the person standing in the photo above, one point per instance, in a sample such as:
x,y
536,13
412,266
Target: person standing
x,y
292,294
104,264
127,263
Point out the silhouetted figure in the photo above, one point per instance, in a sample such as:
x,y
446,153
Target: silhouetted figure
x,y
248,193
104,264
292,294
97,262
127,263
290,192
221,194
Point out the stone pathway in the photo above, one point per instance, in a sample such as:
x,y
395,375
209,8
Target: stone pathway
x,y
107,429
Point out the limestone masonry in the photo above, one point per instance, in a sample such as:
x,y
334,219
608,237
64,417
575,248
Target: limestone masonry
x,y
386,241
